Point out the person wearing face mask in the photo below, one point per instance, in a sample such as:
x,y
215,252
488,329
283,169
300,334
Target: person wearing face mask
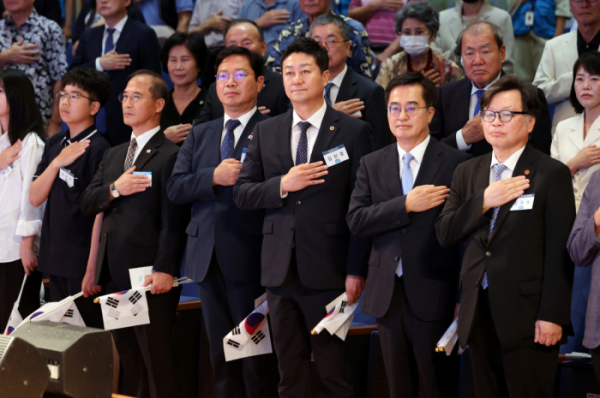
x,y
417,24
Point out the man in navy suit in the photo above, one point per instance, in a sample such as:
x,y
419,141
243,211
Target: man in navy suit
x,y
120,47
412,281
309,257
224,242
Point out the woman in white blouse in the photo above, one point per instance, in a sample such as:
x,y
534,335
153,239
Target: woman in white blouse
x,y
21,148
577,140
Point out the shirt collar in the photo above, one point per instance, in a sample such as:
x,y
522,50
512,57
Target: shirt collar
x,y
474,88
119,25
512,160
31,19
315,119
418,152
85,134
143,139
583,46
244,119
337,81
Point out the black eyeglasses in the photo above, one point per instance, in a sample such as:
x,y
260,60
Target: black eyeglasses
x,y
505,116
72,96
238,76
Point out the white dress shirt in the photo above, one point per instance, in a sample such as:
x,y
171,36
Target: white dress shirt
x,y
460,140
312,132
18,218
204,9
337,83
116,34
415,164
237,132
142,140
510,164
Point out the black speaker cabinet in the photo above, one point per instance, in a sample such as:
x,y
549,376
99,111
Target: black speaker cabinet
x,y
23,371
80,359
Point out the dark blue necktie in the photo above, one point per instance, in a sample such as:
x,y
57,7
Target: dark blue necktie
x,y
327,93
477,106
302,151
110,44
228,144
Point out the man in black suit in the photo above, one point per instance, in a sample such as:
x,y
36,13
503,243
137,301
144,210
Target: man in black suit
x,y
457,121
346,91
412,280
141,227
119,47
513,209
271,99
308,255
224,242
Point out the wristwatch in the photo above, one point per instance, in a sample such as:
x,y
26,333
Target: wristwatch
x,y
113,191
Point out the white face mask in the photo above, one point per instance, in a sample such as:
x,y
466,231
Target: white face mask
x,y
415,45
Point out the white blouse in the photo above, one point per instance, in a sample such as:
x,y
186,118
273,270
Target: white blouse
x,y
18,217
568,142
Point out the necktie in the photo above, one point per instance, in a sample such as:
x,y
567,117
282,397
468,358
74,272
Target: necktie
x,y
497,171
477,107
407,186
327,93
228,144
109,45
130,154
302,151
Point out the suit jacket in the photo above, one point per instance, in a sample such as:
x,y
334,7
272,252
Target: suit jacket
x,y
137,40
529,271
375,114
217,224
142,229
583,246
451,25
272,95
554,75
452,113
568,142
314,216
377,209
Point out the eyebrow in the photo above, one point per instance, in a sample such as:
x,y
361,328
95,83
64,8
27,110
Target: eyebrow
x,y
235,70
135,92
292,66
474,48
407,103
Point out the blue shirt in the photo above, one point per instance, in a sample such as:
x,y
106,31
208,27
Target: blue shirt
x,y
360,61
151,12
254,9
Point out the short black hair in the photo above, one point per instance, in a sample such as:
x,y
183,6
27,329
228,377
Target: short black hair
x,y
410,79
95,83
158,88
590,63
311,47
255,60
193,41
261,33
530,101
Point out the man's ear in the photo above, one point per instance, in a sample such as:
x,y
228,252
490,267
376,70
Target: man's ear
x,y
95,108
260,82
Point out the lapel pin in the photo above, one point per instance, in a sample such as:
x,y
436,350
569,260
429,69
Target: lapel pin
x,y
148,151
331,128
527,172
251,136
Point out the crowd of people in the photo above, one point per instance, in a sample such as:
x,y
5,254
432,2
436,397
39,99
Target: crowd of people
x,y
306,149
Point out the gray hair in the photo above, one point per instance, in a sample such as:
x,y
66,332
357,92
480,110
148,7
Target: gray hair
x,y
476,29
419,11
328,18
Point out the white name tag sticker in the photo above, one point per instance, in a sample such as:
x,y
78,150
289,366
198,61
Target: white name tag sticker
x,y
7,170
244,151
529,18
67,177
138,275
523,202
335,155
146,173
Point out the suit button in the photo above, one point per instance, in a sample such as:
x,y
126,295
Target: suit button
x,y
396,258
404,231
488,254
298,203
291,227
574,190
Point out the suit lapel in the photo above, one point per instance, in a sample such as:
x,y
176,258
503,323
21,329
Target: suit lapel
x,y
284,139
149,150
432,161
455,26
390,169
481,173
593,135
576,133
329,128
347,88
124,37
244,142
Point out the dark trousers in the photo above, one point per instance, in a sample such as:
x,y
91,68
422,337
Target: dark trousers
x,y
294,311
225,303
11,279
596,362
62,287
523,372
146,351
407,344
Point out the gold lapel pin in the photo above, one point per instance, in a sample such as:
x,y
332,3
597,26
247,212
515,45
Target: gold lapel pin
x,y
331,128
148,151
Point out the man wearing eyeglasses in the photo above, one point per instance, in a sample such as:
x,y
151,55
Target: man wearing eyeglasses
x,y
141,228
346,91
412,281
513,210
224,242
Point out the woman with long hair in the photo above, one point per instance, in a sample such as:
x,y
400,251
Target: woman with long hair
x,y
21,148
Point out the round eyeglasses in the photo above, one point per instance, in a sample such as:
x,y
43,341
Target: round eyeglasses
x,y
505,116
411,110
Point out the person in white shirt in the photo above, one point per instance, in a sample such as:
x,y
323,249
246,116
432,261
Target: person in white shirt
x,y
21,148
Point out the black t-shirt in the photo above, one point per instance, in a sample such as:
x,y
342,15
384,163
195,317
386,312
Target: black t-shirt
x,y
66,232
583,47
171,117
